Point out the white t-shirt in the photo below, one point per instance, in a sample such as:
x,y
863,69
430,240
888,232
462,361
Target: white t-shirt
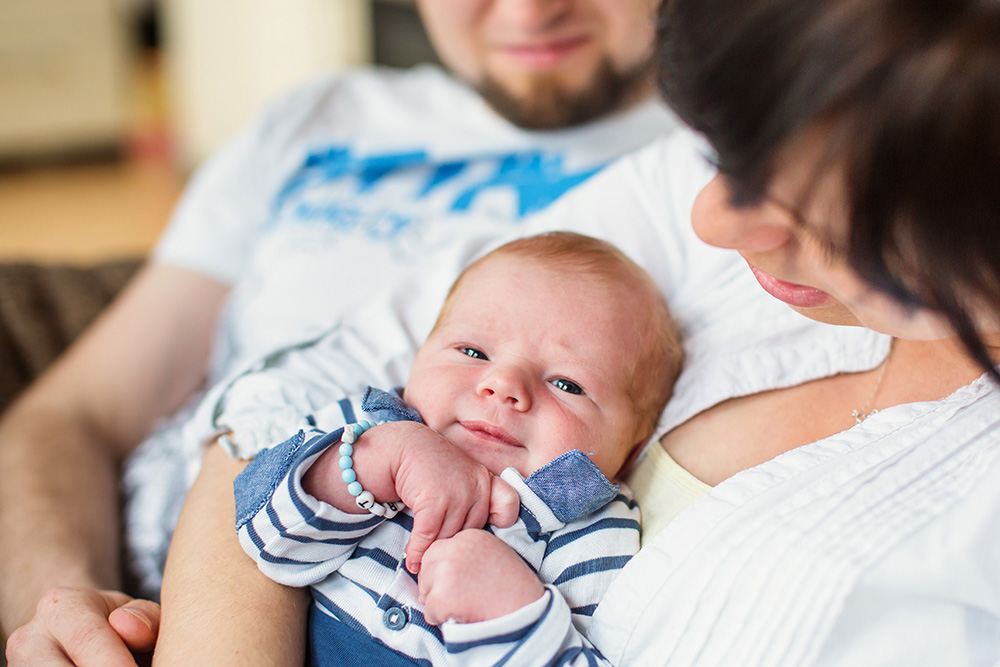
x,y
877,545
329,197
343,185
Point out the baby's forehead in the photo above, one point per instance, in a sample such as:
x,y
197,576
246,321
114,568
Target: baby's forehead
x,y
609,275
615,295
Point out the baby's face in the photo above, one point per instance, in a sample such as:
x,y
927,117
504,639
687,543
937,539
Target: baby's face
x,y
531,362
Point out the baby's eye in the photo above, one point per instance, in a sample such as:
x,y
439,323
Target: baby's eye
x,y
568,386
473,352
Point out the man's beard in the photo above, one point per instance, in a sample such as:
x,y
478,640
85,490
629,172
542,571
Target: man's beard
x,y
548,107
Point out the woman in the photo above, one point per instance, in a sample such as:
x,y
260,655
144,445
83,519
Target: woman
x,y
841,481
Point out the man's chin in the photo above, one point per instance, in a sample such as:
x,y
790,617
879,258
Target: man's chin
x,y
544,102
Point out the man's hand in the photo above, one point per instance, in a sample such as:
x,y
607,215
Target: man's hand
x,y
84,627
474,576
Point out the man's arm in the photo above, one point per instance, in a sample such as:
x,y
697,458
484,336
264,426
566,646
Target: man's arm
x,y
62,443
218,609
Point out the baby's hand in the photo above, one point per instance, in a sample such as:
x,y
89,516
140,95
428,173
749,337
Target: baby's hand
x,y
505,504
447,490
474,576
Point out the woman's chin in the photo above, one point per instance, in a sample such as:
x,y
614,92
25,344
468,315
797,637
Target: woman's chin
x,y
831,313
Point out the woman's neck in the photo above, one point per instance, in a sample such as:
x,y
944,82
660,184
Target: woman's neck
x,y
746,431
922,370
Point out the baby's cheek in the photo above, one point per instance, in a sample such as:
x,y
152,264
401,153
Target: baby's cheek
x,y
612,451
416,397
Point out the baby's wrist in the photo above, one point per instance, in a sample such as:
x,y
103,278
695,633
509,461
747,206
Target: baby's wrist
x,y
364,499
325,478
499,620
322,479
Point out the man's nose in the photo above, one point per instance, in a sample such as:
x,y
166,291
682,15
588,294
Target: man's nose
x,y
534,15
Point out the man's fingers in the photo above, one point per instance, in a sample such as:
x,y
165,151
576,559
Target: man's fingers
x,y
72,623
26,646
137,623
94,642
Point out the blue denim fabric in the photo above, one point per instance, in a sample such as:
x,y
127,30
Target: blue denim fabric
x,y
572,486
331,642
258,480
254,486
388,407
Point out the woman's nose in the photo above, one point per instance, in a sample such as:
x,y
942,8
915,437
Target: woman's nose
x,y
507,384
754,228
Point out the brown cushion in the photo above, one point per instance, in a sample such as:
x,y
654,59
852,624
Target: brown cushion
x,y
43,308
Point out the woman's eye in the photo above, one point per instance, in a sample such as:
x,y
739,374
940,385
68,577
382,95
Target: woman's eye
x,y
567,386
473,352
829,253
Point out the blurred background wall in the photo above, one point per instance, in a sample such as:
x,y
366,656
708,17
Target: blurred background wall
x,y
106,106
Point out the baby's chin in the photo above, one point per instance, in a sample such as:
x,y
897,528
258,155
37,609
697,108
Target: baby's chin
x,y
495,456
495,464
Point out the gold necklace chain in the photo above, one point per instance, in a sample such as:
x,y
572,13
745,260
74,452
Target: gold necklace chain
x,y
863,413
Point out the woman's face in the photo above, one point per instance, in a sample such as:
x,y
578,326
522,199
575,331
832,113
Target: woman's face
x,y
795,243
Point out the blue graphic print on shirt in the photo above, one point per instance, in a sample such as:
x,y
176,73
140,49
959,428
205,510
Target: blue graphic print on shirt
x,y
384,194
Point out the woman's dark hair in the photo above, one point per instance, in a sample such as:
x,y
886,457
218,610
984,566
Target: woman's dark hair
x,y
908,95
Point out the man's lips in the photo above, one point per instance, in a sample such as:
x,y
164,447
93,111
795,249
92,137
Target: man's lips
x,y
545,54
490,433
792,294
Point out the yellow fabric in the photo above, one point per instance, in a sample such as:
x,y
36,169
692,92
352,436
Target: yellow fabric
x,y
663,488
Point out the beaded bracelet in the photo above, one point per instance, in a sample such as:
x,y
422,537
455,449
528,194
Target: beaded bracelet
x,y
364,499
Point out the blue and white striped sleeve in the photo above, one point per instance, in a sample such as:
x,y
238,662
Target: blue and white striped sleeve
x,y
540,633
294,538
583,558
577,560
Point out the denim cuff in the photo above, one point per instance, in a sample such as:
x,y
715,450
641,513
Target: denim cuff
x,y
383,406
568,488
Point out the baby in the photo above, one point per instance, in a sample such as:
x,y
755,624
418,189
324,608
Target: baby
x,y
548,366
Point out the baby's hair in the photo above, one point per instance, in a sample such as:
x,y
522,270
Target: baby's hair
x,y
659,362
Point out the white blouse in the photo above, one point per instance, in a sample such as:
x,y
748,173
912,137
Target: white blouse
x,y
877,546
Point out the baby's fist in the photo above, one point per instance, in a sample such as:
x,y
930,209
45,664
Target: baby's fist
x,y
474,576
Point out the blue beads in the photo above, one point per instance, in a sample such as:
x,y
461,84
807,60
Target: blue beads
x,y
364,499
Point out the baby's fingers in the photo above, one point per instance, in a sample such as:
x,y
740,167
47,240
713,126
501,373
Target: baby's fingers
x,y
427,525
504,503
435,524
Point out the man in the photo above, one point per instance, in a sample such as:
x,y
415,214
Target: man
x,y
331,194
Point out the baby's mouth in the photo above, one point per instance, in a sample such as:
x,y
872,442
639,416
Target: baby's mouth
x,y
489,432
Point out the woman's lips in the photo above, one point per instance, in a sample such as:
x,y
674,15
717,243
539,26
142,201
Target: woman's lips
x,y
792,294
543,56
